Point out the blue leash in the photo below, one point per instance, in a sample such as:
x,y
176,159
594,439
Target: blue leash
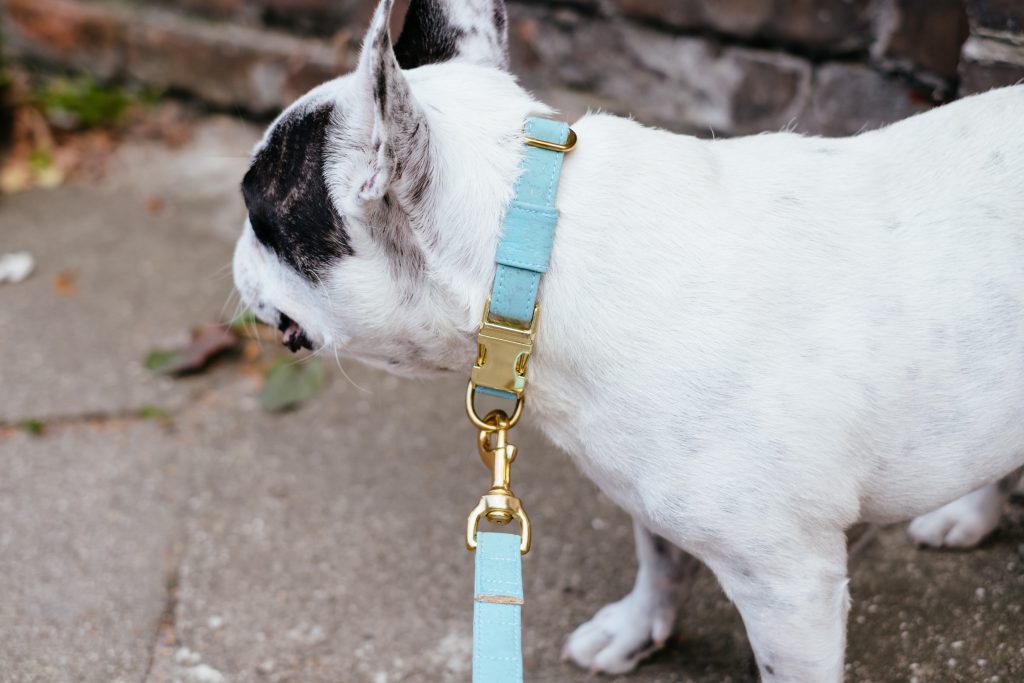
x,y
506,341
497,610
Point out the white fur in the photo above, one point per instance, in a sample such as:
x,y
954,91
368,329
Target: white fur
x,y
749,344
967,520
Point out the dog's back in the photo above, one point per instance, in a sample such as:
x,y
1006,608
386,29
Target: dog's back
x,y
872,287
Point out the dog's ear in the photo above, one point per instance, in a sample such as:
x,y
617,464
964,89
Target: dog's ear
x,y
473,31
387,118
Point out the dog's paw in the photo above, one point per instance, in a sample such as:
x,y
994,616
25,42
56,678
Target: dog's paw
x,y
960,524
620,636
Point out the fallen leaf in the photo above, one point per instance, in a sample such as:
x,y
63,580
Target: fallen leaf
x,y
155,205
33,426
290,383
159,361
251,350
15,176
243,320
207,342
148,412
64,283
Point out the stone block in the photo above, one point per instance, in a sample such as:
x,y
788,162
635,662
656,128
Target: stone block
x,y
697,85
683,83
230,66
990,63
220,8
67,33
850,98
996,15
921,36
830,26
319,17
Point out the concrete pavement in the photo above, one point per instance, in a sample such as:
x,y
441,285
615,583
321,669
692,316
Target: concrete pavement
x,y
225,544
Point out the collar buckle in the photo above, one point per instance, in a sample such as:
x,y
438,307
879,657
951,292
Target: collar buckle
x,y
502,353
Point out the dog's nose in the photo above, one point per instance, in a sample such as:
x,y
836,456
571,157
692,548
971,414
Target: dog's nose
x,y
292,334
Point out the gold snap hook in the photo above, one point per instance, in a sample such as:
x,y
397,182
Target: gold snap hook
x,y
499,505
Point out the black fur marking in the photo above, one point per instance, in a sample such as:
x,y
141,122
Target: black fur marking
x,y
285,192
419,188
380,90
427,37
500,18
769,670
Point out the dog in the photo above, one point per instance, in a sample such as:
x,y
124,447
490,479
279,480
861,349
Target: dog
x,y
749,344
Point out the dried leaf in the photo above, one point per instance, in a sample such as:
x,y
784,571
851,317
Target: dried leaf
x,y
15,176
155,205
64,283
206,343
290,383
251,351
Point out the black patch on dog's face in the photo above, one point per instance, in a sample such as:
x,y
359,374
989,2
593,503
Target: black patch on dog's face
x,y
286,194
427,37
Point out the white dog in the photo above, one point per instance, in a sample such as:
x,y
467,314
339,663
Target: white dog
x,y
749,344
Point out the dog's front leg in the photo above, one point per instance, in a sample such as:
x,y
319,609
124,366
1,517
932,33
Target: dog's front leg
x,y
791,590
623,633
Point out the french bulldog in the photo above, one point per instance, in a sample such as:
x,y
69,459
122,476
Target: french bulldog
x,y
749,344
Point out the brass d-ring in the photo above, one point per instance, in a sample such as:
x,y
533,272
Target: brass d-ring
x,y
563,147
482,423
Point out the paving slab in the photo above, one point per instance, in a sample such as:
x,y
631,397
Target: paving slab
x,y
121,268
926,615
89,525
329,540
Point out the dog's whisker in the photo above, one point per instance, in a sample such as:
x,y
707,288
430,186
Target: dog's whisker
x,y
232,301
337,360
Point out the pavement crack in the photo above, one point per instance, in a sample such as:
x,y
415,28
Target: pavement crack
x,y
43,426
165,635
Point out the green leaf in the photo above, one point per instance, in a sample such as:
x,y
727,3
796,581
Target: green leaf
x,y
148,412
160,361
290,383
242,321
33,426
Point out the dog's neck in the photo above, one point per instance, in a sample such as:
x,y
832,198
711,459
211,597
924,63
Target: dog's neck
x,y
475,119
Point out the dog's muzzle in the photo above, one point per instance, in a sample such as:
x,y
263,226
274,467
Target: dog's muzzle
x,y
293,336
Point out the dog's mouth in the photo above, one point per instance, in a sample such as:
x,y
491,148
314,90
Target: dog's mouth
x,y
293,335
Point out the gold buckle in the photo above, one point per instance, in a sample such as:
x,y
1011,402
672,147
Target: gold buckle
x,y
502,354
570,142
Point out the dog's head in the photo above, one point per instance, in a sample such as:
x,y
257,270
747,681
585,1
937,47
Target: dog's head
x,y
374,200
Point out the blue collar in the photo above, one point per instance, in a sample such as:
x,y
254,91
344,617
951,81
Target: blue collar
x,y
524,250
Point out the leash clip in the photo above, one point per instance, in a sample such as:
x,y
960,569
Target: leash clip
x,y
499,505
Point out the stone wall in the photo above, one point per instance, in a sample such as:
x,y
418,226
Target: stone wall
x,y
722,67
